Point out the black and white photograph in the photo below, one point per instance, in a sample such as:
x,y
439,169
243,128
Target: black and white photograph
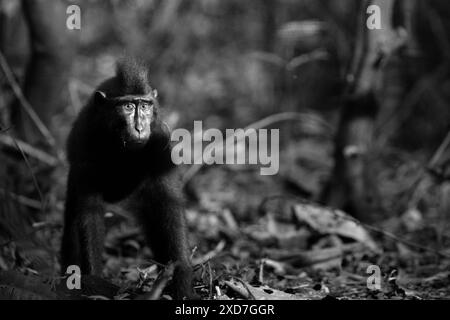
x,y
221,155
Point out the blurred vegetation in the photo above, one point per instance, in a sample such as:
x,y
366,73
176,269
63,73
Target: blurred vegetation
x,y
231,63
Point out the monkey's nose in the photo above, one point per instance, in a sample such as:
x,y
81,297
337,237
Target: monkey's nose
x,y
139,128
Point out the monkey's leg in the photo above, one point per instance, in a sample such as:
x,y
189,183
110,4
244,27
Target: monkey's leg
x,y
70,243
165,228
84,229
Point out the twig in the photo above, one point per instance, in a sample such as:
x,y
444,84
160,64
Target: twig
x,y
296,62
401,113
416,193
268,57
210,280
159,264
250,294
394,237
243,290
261,271
440,151
160,284
279,267
306,58
47,224
33,176
404,241
31,203
210,254
29,150
218,293
194,250
24,102
230,221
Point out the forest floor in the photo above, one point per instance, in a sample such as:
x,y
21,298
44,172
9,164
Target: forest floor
x,y
249,242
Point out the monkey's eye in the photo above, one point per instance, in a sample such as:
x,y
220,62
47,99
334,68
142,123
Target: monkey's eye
x,y
146,106
129,107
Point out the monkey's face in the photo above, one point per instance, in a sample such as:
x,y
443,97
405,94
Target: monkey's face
x,y
133,118
138,115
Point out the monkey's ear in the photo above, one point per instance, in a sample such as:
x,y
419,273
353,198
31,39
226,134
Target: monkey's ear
x,y
155,93
99,96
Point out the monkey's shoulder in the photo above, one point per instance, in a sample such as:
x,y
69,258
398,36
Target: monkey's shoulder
x,y
85,137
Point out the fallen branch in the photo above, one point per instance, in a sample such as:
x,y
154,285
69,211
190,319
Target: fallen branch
x,y
406,242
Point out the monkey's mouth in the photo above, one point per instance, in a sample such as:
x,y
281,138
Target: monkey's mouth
x,y
140,140
135,143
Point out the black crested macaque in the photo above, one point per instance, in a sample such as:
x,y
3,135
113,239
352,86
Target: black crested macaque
x,y
119,152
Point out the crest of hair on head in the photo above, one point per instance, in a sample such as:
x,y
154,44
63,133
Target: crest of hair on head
x,y
133,77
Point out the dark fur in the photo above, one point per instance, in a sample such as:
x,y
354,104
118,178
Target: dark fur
x,y
103,170
131,78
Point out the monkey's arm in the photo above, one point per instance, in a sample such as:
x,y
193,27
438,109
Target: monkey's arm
x,y
82,243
